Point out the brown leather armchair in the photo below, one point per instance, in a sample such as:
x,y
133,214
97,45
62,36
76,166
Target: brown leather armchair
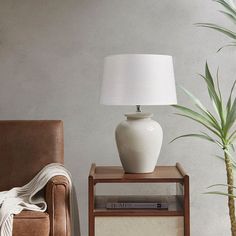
x,y
25,148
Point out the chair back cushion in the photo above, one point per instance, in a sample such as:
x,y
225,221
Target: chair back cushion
x,y
26,147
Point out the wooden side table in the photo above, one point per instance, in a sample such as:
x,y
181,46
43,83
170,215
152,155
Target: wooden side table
x,y
124,222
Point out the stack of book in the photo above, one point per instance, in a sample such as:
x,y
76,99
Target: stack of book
x,y
137,205
133,202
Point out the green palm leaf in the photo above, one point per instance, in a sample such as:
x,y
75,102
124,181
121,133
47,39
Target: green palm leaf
x,y
233,44
211,88
221,185
216,99
201,136
218,84
221,193
228,106
198,118
230,16
214,140
221,29
203,110
208,75
231,8
231,117
232,137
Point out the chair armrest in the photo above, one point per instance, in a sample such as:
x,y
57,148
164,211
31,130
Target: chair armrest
x,y
57,194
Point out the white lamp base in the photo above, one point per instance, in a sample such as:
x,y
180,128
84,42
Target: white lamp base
x,y
139,140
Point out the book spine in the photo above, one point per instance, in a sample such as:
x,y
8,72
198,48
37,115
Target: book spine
x,y
131,205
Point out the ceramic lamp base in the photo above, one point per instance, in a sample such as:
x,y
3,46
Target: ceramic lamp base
x,y
139,140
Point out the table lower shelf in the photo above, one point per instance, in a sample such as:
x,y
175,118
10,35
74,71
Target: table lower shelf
x,y
175,207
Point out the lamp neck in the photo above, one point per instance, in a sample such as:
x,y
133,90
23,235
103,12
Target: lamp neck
x,y
138,108
138,116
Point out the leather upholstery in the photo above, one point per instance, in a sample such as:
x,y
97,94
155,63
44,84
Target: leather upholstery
x,y
25,148
31,223
58,199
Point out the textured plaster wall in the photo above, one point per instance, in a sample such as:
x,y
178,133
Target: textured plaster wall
x,y
51,59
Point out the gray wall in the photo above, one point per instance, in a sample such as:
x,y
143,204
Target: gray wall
x,y
51,58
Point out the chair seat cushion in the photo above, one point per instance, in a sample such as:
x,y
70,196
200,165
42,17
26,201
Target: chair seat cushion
x,y
31,223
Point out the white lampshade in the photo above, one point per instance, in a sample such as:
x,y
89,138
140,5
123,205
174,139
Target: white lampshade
x,y
138,79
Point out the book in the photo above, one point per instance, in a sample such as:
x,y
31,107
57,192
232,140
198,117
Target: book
x,y
137,205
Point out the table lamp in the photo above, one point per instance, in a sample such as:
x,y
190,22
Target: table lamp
x,y
138,79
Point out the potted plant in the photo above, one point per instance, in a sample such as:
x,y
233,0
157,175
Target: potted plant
x,y
220,125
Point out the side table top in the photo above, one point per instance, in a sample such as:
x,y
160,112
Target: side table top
x,y
112,174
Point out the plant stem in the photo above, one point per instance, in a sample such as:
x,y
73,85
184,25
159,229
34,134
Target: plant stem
x,y
231,203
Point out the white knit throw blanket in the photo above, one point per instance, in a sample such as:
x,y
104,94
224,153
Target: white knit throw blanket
x,y
29,197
